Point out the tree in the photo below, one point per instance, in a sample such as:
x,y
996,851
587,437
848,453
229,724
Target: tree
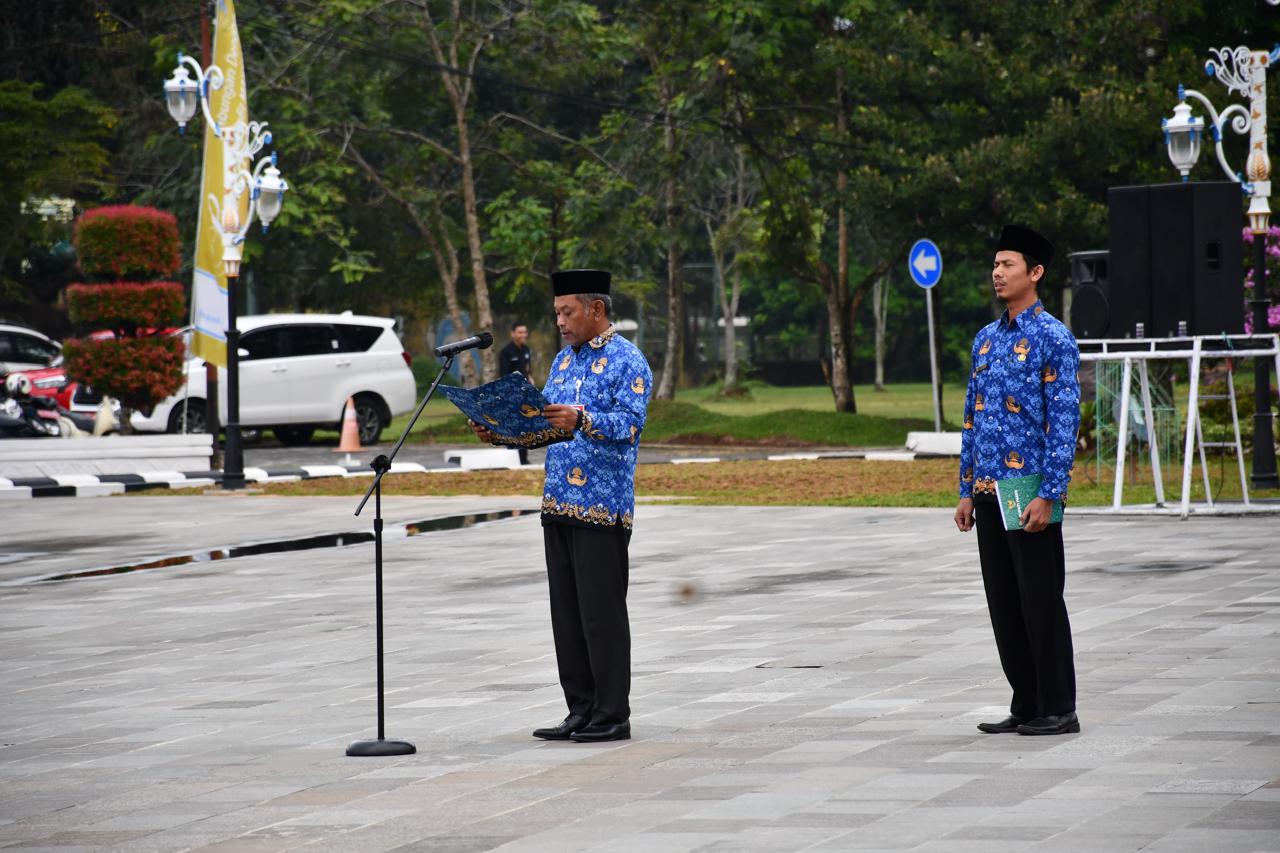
x,y
52,146
139,364
733,229
796,122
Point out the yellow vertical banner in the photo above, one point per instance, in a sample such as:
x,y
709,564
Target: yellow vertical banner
x,y
229,105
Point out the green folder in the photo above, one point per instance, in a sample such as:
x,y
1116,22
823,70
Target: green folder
x,y
1015,493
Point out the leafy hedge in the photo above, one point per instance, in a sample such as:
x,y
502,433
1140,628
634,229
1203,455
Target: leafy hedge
x,y
127,242
126,306
136,371
137,367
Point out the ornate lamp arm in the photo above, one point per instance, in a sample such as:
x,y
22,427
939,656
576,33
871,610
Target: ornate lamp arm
x,y
210,79
243,141
1241,124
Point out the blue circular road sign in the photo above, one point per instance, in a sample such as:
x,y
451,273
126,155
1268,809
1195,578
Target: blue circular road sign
x,y
924,262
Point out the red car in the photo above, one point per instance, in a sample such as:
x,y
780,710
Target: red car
x,y
52,382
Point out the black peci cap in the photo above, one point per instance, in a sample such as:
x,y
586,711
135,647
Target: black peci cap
x,y
570,282
1018,238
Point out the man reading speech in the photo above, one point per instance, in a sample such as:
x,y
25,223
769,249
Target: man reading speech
x,y
598,388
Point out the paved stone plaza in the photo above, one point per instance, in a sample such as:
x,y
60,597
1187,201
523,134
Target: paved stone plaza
x,y
805,679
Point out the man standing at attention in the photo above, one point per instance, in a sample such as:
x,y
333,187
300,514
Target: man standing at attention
x,y
516,358
598,389
1021,416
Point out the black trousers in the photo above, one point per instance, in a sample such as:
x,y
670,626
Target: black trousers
x,y
587,574
1024,575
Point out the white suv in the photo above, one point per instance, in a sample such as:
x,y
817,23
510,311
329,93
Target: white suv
x,y
296,373
22,348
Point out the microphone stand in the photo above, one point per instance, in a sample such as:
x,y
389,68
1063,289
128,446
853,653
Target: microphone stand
x,y
381,465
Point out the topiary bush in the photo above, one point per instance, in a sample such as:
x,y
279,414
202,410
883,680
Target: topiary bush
x,y
125,306
139,372
137,363
127,242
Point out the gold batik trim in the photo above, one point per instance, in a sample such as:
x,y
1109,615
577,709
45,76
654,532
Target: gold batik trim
x,y
599,514
599,341
985,486
588,427
541,438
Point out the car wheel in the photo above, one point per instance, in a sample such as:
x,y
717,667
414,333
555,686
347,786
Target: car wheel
x,y
294,435
368,420
189,418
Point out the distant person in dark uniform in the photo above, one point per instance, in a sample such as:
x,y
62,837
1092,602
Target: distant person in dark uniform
x,y
1021,416
599,389
516,358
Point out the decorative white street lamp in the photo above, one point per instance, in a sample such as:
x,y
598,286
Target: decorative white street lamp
x,y
1245,71
240,144
1182,134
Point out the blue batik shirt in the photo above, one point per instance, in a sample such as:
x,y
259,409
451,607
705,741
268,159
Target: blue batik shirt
x,y
1022,409
591,479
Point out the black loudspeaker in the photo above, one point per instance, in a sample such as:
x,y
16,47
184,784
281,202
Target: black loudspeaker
x,y
1129,260
1176,260
1214,249
1090,294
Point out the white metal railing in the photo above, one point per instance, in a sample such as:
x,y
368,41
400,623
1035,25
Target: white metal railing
x,y
1192,349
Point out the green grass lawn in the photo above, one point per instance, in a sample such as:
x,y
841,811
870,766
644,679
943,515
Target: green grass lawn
x,y
768,415
904,400
828,482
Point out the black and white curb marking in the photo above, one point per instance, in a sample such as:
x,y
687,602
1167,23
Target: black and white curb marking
x,y
96,485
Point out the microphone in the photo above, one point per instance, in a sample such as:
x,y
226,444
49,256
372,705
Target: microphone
x,y
484,340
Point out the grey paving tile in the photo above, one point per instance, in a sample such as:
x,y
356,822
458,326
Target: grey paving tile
x,y
820,691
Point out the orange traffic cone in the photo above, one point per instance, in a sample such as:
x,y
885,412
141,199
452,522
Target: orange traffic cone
x,y
350,441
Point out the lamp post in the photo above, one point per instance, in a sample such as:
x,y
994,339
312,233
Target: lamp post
x,y
1244,71
241,142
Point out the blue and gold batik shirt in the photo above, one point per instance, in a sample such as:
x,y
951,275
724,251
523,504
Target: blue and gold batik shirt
x,y
1022,409
591,479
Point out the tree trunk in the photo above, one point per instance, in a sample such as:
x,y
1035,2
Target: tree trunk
x,y
459,92
835,283
731,310
722,297
838,314
731,337
728,299
880,310
673,358
475,246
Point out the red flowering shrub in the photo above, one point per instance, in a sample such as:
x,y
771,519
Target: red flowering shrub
x,y
126,306
136,371
127,242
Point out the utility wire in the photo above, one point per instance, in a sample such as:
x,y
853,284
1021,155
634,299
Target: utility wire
x,y
148,27
701,125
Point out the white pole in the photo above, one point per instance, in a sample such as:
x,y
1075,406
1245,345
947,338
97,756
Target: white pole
x,y
1193,411
1153,446
933,364
1122,435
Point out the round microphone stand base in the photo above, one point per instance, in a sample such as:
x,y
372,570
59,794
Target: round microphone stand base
x,y
380,748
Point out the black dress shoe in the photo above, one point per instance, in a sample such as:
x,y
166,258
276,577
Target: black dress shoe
x,y
1059,724
600,732
1007,726
571,724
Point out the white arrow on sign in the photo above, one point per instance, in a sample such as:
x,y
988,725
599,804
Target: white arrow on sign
x,y
924,262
